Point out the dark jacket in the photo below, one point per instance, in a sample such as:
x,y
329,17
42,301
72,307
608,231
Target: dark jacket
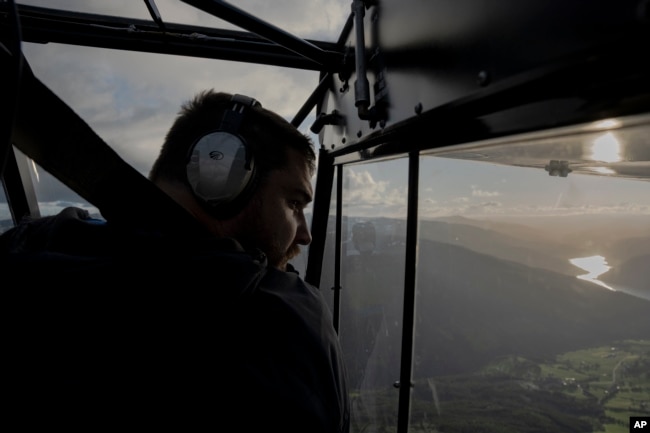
x,y
121,326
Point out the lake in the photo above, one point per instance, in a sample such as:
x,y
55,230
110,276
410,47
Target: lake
x,y
595,266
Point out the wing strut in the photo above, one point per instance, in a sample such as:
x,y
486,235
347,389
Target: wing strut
x,y
48,131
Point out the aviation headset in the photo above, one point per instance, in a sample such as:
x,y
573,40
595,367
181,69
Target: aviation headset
x,y
221,165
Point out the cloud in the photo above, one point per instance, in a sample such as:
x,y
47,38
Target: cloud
x,y
131,98
476,192
365,196
314,19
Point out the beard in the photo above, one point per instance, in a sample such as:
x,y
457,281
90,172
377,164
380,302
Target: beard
x,y
279,257
253,233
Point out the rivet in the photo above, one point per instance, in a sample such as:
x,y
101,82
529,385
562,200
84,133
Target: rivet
x,y
483,78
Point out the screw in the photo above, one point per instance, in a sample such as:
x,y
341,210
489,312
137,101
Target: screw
x,y
483,78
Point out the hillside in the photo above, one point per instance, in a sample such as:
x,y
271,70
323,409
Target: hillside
x,y
473,308
477,307
632,275
526,245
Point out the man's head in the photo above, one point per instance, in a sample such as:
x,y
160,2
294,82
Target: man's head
x,y
271,216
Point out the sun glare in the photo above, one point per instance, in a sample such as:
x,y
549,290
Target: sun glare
x,y
607,123
606,148
602,170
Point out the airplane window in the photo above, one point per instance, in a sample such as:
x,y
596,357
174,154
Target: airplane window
x,y
327,281
372,280
532,299
6,221
53,196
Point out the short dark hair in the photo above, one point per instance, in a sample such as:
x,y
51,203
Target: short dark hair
x,y
268,134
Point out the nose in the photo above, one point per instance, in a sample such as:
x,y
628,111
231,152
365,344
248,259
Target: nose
x,y
303,234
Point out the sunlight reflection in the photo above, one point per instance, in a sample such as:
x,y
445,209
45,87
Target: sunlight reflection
x,y
595,266
35,169
606,148
602,170
607,123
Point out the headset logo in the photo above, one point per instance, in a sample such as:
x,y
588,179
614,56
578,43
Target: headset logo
x,y
216,155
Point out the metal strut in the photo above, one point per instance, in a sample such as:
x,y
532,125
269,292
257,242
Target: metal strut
x,y
361,85
155,14
230,13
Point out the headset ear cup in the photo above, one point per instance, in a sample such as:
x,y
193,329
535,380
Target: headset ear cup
x,y
219,169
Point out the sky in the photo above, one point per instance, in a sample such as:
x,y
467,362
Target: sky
x,y
476,189
131,99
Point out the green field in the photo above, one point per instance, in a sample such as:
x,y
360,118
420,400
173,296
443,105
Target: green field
x,y
592,390
618,376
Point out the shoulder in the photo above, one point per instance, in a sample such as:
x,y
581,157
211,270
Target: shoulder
x,y
74,244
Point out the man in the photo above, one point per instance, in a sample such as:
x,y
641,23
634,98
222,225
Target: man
x,y
207,331
267,212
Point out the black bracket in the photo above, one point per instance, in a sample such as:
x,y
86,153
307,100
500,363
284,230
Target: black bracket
x,y
333,118
377,113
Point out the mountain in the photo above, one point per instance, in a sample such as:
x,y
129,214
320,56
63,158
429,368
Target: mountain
x,y
518,243
622,250
549,243
632,275
474,307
